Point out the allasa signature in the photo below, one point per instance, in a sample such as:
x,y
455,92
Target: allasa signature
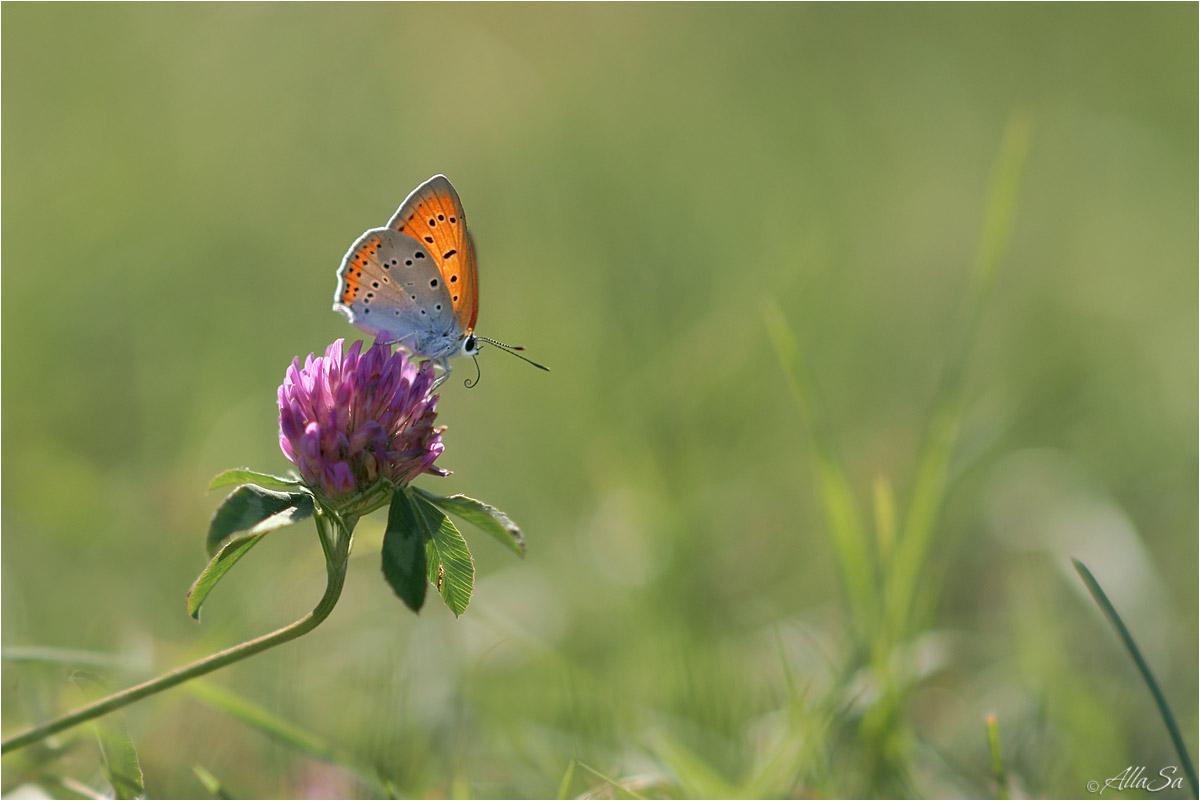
x,y
1136,778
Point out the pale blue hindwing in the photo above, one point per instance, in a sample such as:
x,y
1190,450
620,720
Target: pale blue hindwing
x,y
400,294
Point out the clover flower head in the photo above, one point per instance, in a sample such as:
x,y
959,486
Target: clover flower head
x,y
350,420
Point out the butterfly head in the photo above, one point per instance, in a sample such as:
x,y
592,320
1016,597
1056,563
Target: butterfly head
x,y
469,346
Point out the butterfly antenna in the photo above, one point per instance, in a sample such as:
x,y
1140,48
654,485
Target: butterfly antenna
x,y
512,350
469,384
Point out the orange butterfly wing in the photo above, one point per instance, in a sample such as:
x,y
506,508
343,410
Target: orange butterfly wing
x,y
433,215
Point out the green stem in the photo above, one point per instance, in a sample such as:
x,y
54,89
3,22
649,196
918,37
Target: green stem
x,y
335,566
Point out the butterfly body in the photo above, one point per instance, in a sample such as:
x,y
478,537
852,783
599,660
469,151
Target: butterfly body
x,y
414,282
390,286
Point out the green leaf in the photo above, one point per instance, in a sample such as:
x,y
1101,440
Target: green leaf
x,y
121,766
451,568
118,756
404,551
244,475
248,513
233,550
251,508
483,516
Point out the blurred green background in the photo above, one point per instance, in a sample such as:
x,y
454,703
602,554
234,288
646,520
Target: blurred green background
x,y
180,183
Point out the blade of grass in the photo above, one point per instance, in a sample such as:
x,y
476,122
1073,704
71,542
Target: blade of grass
x,y
79,787
885,520
929,488
611,782
283,730
993,738
854,558
565,785
69,656
789,761
211,783
1110,612
697,776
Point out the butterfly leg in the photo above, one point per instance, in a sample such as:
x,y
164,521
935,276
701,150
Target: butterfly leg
x,y
444,363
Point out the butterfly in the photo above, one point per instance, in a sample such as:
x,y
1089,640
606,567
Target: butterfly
x,y
414,282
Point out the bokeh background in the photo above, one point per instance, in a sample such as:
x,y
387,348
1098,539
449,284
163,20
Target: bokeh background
x,y
644,183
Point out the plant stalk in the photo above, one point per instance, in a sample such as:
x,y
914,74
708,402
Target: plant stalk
x,y
337,559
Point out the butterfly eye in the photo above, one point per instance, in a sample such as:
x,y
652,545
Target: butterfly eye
x,y
469,346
